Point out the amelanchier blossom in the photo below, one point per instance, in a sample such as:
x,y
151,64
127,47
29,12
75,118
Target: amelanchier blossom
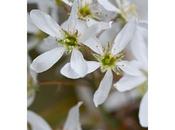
x,y
69,37
127,10
139,50
92,12
36,122
109,53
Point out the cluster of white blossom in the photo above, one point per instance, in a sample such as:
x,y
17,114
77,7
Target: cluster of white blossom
x,y
115,34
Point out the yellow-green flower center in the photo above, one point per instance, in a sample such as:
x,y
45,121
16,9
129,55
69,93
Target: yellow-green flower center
x,y
69,41
84,11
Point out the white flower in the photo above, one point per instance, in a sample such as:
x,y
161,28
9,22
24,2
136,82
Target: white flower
x,y
48,6
139,50
92,12
36,41
110,59
127,9
68,37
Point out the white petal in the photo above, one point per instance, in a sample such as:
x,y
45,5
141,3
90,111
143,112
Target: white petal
x,y
70,24
47,44
73,119
124,37
143,111
104,88
94,44
37,122
78,63
130,68
92,66
46,60
107,5
69,72
109,35
139,49
128,82
44,22
31,28
90,32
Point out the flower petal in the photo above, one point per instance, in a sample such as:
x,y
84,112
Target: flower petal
x,y
109,35
73,119
69,72
107,5
130,68
46,60
47,44
37,122
94,44
71,23
143,111
92,66
128,82
103,90
44,22
78,63
124,37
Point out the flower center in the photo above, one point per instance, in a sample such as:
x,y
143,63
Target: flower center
x,y
84,11
69,41
108,61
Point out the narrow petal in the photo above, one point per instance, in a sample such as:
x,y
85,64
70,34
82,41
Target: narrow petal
x,y
78,63
46,60
69,72
103,90
109,35
30,98
107,5
128,82
73,119
31,28
44,22
37,122
143,111
124,37
94,44
71,23
130,67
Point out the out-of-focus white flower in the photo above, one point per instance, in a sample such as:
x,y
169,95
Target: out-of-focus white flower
x,y
48,6
36,122
110,59
139,50
127,9
36,40
68,37
31,83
